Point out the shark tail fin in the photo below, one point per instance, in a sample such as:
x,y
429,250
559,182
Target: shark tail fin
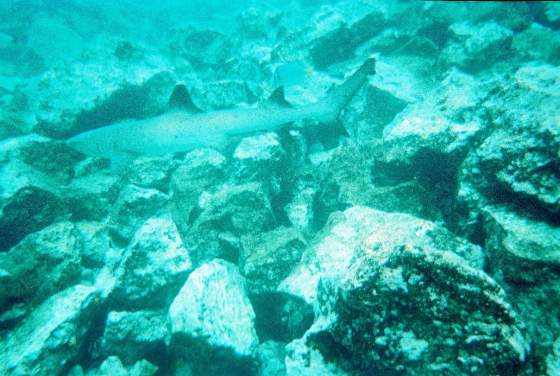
x,y
339,96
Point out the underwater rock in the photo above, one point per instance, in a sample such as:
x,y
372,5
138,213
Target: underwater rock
x,y
538,43
552,11
91,197
202,48
152,172
553,359
31,198
63,321
519,247
334,47
445,123
221,94
300,209
43,263
133,335
201,170
336,41
354,175
212,320
255,23
518,162
270,356
26,210
95,240
523,256
112,366
332,250
95,91
404,307
52,158
153,268
225,216
53,40
365,119
305,360
259,158
268,258
133,206
477,46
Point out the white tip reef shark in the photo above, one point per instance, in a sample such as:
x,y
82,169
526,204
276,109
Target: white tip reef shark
x,y
184,127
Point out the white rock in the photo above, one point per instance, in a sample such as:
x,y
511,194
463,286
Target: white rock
x,y
212,306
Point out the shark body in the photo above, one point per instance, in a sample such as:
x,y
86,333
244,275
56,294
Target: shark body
x,y
183,129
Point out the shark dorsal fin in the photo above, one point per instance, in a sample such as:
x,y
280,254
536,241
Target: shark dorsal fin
x,y
180,98
277,98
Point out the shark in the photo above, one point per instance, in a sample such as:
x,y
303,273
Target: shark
x,y
185,127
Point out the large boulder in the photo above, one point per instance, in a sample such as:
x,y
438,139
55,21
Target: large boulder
x,y
335,41
357,175
90,196
404,308
32,170
50,339
333,249
95,242
267,258
132,208
212,320
523,256
153,267
133,335
445,123
95,90
538,43
517,162
152,172
475,47
201,170
227,215
43,263
260,158
202,48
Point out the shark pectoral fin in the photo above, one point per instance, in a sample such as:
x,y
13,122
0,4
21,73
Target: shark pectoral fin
x,y
277,99
180,98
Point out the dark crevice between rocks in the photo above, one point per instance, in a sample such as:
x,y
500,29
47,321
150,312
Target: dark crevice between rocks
x,y
501,194
322,207
278,202
281,317
117,240
437,172
340,44
8,321
388,174
438,32
160,357
209,360
230,250
89,353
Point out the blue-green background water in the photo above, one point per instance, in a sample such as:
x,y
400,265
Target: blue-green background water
x,y
415,234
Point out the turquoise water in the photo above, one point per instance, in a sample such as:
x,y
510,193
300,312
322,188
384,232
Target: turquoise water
x,y
301,187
